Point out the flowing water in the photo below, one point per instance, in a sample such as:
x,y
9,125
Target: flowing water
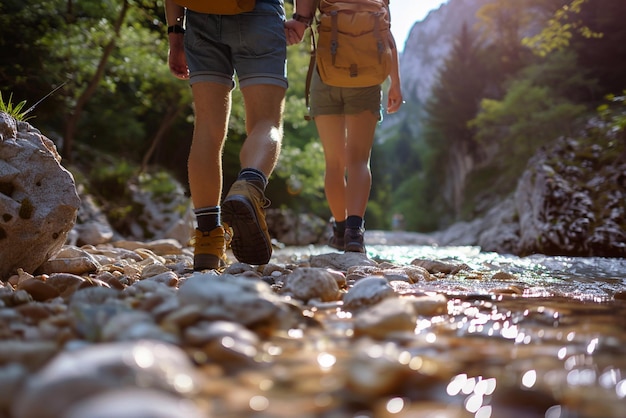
x,y
523,337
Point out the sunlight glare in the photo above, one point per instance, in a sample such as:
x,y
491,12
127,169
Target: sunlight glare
x,y
395,405
326,360
529,379
259,403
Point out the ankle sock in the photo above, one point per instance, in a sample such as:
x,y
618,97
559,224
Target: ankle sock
x,y
208,218
354,221
253,176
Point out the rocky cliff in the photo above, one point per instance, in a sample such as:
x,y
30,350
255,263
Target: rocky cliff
x,y
430,42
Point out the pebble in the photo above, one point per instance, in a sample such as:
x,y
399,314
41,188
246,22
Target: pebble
x,y
128,330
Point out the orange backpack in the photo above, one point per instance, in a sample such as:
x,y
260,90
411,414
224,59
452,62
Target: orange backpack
x,y
218,7
353,47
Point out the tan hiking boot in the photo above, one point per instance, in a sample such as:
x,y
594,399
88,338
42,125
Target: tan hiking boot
x,y
209,248
244,210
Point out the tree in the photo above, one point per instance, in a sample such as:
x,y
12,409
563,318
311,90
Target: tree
x,y
501,24
91,83
559,30
535,111
455,100
603,54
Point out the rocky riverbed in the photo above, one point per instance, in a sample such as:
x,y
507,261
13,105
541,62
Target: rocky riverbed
x,y
125,329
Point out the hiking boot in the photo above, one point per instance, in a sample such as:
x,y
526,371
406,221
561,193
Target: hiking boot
x,y
353,239
244,210
336,240
209,248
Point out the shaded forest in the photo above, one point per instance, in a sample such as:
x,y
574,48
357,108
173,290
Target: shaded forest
x,y
531,71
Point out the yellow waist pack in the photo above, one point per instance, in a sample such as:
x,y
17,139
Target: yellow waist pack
x,y
218,7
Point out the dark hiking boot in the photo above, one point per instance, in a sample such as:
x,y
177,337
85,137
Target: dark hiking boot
x,y
354,240
336,240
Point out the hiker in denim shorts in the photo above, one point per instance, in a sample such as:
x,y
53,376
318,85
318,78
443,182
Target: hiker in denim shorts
x,y
346,119
209,50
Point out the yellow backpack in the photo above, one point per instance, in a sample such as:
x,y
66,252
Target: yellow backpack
x,y
218,7
353,47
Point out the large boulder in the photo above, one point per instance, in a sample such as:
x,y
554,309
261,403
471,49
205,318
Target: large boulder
x,y
572,200
38,198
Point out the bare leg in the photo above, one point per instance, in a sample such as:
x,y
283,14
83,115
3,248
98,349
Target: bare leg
x,y
243,207
264,124
212,104
332,132
360,131
347,142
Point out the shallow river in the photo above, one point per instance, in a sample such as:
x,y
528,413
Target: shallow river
x,y
522,337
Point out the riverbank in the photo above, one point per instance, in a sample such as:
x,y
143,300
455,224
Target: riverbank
x,y
315,331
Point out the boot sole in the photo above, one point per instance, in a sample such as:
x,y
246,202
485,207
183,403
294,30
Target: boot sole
x,y
250,244
207,262
355,247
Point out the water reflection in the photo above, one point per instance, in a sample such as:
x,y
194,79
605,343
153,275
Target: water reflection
x,y
524,337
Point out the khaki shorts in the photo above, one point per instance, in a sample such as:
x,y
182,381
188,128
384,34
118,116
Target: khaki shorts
x,y
330,100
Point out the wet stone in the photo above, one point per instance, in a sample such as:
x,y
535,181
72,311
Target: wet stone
x,y
314,333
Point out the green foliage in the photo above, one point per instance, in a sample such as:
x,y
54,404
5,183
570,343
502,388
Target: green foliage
x,y
528,101
603,58
110,181
533,112
422,209
14,109
556,35
135,88
614,114
298,181
454,101
501,25
527,118
114,182
158,184
303,170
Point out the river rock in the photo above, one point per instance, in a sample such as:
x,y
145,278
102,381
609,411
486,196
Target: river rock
x,y
134,403
308,283
38,198
76,375
367,292
390,316
248,301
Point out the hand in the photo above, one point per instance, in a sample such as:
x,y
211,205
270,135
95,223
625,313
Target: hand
x,y
294,31
394,98
176,57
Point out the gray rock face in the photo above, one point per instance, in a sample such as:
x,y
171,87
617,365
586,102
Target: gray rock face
x,y
571,201
429,43
38,198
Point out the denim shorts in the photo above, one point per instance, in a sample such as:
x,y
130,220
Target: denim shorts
x,y
331,100
251,45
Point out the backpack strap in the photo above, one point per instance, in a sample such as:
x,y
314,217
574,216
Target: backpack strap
x,y
333,35
309,74
379,40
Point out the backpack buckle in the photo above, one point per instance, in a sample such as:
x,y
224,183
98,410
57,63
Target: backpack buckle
x,y
354,70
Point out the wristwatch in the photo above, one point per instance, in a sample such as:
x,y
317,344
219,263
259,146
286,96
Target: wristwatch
x,y
175,29
302,19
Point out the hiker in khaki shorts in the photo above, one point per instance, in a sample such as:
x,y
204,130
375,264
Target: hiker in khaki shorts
x,y
345,99
210,42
